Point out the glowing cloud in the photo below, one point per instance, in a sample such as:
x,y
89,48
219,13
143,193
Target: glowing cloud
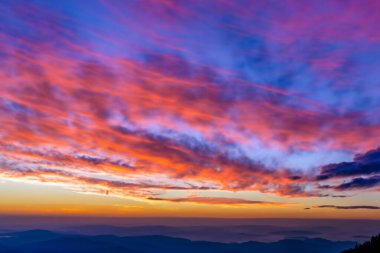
x,y
138,99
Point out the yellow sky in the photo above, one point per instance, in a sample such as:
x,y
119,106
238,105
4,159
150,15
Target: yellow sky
x,y
40,199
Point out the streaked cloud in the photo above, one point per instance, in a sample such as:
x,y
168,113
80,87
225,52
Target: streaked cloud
x,y
348,207
194,97
363,164
217,200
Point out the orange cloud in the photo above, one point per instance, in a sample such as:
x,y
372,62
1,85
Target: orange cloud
x,y
217,200
76,116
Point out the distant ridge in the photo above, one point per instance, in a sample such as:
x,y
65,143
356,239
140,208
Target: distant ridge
x,y
41,241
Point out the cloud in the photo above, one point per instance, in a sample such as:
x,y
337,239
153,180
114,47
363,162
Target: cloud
x,y
217,200
348,207
359,183
362,173
363,164
200,100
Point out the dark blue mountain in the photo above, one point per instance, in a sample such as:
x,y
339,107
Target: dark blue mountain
x,y
40,241
24,237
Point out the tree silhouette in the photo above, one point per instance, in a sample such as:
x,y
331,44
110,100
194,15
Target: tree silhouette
x,y
372,246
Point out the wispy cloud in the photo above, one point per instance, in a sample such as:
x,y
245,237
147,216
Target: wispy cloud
x,y
348,207
362,173
193,97
218,200
363,164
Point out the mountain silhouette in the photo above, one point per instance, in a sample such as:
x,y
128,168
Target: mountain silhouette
x,y
40,241
372,246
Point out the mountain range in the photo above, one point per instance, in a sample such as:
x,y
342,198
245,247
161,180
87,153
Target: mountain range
x,y
43,241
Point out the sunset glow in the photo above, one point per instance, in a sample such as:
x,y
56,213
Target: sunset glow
x,y
162,108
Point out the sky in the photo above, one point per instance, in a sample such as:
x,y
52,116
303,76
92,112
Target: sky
x,y
163,108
